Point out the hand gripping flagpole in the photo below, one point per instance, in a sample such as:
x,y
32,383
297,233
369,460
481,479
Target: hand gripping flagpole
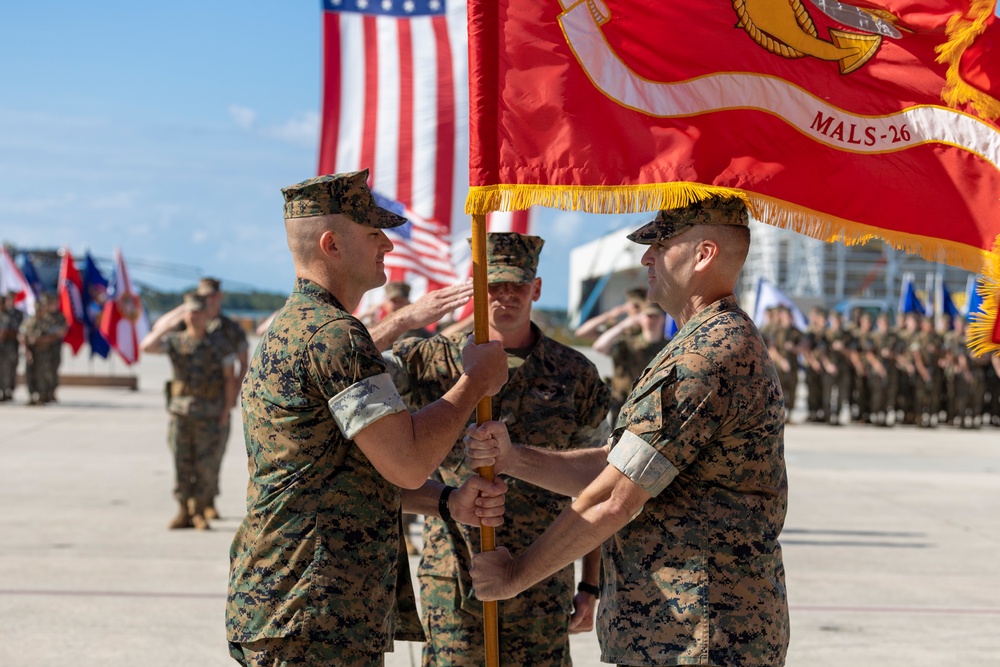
x,y
484,413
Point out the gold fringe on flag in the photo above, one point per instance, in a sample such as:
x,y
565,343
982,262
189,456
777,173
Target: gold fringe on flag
x,y
616,199
962,30
984,332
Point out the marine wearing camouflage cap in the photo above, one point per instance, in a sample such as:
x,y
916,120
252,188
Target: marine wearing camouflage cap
x,y
397,290
346,194
716,210
194,301
512,257
209,286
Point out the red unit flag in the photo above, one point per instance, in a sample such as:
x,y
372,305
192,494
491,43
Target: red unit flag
x,y
843,122
71,301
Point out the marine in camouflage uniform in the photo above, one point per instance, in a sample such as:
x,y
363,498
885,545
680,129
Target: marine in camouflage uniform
x,y
10,323
838,380
554,399
632,352
231,334
42,335
878,351
696,489
784,340
313,565
962,380
816,355
927,352
908,376
199,397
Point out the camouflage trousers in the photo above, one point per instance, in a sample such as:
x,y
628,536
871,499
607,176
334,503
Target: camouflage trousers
x,y
193,441
789,386
304,651
42,372
455,636
8,366
217,453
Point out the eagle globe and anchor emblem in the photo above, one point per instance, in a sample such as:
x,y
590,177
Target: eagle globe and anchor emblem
x,y
786,28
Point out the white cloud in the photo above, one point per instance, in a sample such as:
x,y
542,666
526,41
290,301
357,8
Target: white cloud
x,y
242,116
302,129
199,236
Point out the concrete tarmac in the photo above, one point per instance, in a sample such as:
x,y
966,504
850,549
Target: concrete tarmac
x,y
891,541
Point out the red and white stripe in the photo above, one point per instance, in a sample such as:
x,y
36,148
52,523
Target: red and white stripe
x,y
395,101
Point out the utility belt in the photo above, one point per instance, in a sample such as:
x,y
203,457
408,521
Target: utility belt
x,y
178,388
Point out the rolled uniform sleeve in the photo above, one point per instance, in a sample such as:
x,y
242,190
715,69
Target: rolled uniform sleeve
x,y
671,415
642,464
352,376
364,403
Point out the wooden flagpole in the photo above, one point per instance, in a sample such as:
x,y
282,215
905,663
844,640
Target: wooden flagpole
x,y
484,413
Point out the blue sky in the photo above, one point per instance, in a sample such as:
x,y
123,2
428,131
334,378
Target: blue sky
x,y
168,129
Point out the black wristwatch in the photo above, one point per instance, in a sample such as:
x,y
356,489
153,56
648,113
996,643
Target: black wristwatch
x,y
443,503
584,587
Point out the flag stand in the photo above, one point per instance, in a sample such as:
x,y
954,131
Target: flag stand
x,y
484,413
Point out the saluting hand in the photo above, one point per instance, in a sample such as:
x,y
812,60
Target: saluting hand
x,y
432,306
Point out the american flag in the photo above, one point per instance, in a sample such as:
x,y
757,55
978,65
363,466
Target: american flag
x,y
421,247
395,100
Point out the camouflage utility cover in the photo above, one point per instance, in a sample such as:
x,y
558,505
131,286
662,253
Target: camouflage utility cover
x,y
697,576
347,194
554,400
512,257
715,210
316,554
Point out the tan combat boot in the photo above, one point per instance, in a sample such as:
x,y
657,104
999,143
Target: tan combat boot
x,y
198,515
183,518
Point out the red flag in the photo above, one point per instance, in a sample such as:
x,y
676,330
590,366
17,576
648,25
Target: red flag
x,y
13,281
878,120
123,323
71,301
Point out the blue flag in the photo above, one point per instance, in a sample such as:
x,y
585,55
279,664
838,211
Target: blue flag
x,y
974,302
908,301
947,305
669,328
30,274
95,293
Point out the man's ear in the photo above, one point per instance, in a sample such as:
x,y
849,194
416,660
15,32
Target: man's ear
x,y
536,291
708,251
331,244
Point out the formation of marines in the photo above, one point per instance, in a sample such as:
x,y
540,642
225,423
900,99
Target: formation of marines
x,y
40,336
870,370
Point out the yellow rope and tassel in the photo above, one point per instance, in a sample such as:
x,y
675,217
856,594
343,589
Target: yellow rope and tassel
x,y
984,331
962,30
